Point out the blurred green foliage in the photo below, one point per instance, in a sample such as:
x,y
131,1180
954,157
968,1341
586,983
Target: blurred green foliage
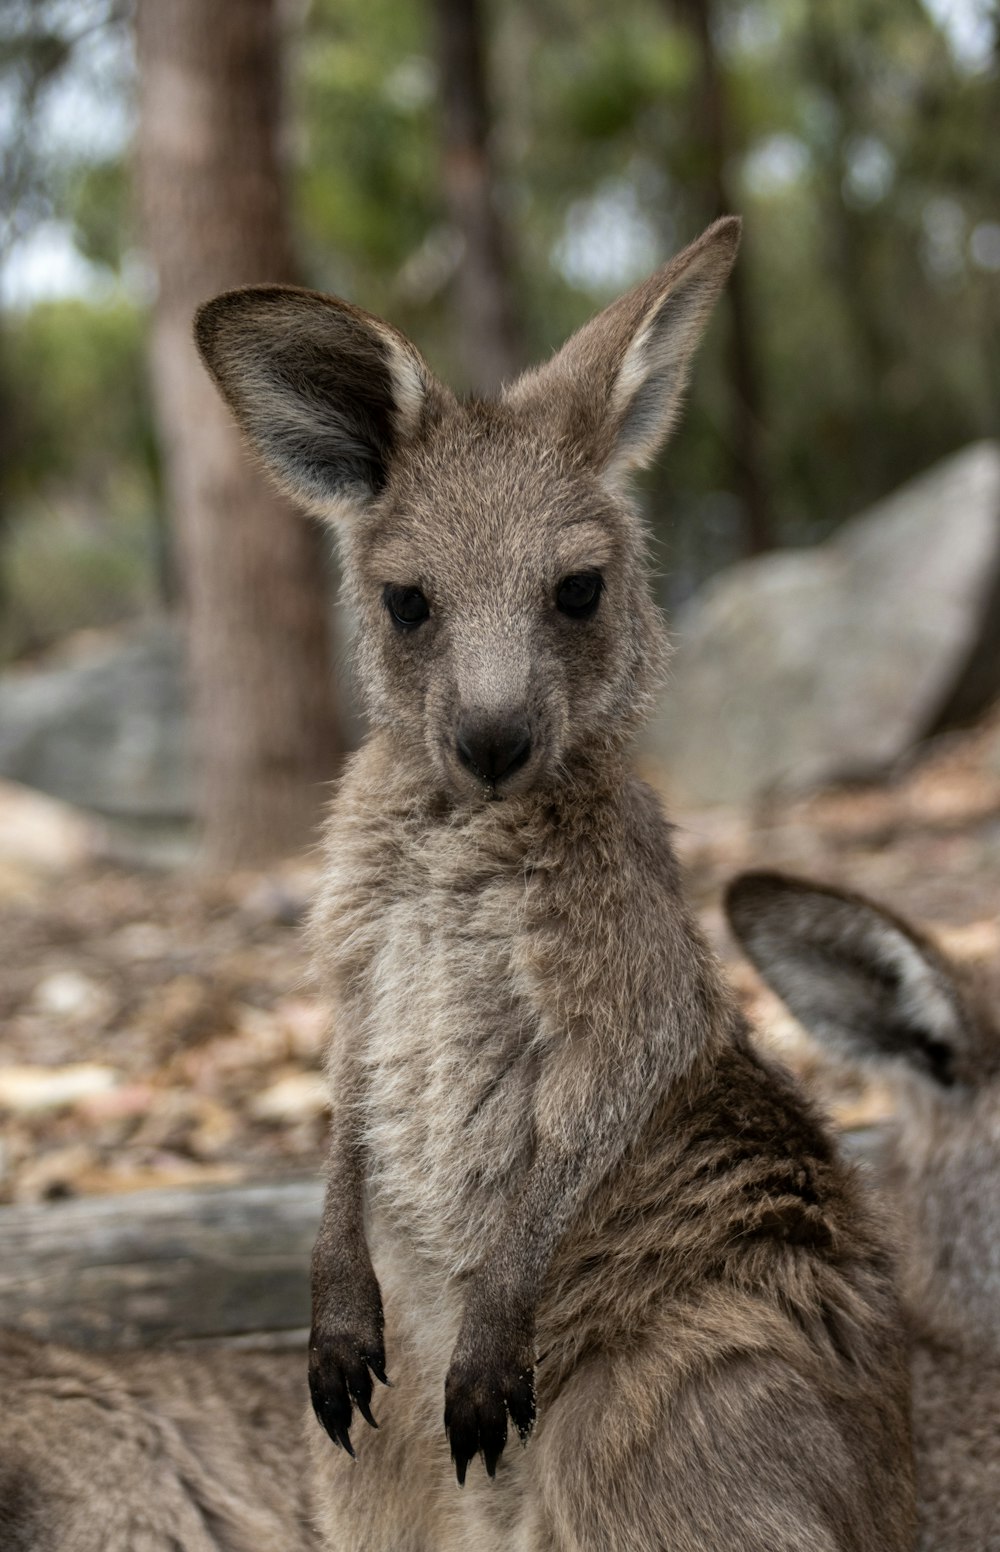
x,y
863,146
82,545
80,412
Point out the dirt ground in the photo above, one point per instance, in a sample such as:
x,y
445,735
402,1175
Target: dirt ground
x,y
159,1028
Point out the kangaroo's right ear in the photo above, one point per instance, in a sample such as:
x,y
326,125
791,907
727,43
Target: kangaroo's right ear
x,y
611,395
859,979
324,393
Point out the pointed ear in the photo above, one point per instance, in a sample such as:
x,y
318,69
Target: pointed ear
x,y
615,388
859,979
325,394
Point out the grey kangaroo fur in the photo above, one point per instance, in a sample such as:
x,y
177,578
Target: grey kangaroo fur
x,y
564,1190
151,1451
874,988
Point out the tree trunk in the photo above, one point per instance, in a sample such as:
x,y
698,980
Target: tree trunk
x,y
252,567
712,125
490,336
6,445
847,250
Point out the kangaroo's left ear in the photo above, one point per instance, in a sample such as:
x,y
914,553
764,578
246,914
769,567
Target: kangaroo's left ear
x,y
858,978
612,393
327,395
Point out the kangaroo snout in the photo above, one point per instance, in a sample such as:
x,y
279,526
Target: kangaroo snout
x,y
493,747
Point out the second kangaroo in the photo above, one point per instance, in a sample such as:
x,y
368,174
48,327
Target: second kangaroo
x,y
872,987
564,1190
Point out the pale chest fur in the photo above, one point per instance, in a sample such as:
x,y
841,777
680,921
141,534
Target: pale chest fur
x,y
434,938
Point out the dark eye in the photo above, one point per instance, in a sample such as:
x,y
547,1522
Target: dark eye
x,y
407,605
578,595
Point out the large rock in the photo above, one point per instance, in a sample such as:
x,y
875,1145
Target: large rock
x,y
107,731
806,666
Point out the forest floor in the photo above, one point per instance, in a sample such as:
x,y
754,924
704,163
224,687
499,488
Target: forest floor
x,y
161,1028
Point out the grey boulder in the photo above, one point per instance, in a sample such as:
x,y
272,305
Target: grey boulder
x,y
107,731
806,666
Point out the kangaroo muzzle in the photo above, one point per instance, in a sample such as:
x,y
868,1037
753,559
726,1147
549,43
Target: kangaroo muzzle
x,y
493,748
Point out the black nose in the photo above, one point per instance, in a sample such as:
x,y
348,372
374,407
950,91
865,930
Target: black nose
x,y
493,749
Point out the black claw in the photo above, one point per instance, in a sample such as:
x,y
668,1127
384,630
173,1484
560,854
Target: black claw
x,y
332,1409
464,1439
376,1362
343,1438
335,1417
492,1433
359,1384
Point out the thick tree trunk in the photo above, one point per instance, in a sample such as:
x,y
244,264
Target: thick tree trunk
x,y
487,318
252,568
712,124
6,443
846,245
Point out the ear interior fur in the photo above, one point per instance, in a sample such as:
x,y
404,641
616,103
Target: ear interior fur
x,y
863,982
324,393
615,388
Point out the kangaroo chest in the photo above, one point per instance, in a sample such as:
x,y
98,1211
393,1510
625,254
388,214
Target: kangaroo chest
x,y
450,1049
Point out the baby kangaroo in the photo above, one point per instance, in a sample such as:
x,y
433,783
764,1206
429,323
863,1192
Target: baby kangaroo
x,y
145,1451
871,987
563,1188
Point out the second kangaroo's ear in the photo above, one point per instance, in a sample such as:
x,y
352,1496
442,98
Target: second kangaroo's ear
x,y
859,979
324,393
613,392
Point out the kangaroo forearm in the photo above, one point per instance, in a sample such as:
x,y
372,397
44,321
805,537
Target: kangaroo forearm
x,y
340,1250
347,1337
346,1342
529,1232
340,1242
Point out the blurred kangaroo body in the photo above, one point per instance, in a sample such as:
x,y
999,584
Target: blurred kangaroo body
x,y
872,987
146,1451
560,1177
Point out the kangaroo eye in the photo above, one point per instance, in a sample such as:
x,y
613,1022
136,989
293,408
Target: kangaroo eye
x,y
407,605
578,595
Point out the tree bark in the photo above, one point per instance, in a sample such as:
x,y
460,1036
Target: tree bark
x,y
489,332
712,124
252,567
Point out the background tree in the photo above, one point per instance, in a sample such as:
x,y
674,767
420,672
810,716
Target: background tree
x,y
487,326
712,112
254,581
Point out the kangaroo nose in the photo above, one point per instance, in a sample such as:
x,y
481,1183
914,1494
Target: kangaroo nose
x,y
493,749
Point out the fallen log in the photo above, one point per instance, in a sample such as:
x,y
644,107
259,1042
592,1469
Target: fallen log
x,y
212,1263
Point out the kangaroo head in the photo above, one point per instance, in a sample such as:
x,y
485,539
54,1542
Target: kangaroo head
x,y
495,562
871,987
